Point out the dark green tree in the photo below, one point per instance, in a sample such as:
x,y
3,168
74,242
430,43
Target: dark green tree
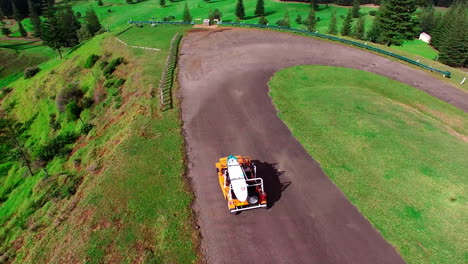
x,y
356,8
346,28
454,51
285,21
162,3
187,16
84,33
427,19
35,19
298,19
21,30
215,14
100,3
260,8
359,29
16,13
311,20
68,26
444,26
50,30
314,4
240,10
263,21
9,136
93,21
396,21
6,31
332,27
374,34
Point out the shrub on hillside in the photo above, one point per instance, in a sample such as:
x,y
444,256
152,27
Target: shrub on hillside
x,y
373,12
91,61
57,147
103,65
109,69
30,72
72,111
68,94
283,23
53,123
86,128
263,21
169,18
86,102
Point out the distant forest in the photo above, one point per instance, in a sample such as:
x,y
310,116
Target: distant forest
x,y
21,5
443,3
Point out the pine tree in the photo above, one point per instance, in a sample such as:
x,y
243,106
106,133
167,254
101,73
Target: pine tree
x,y
332,27
346,28
6,31
298,19
311,20
359,28
240,10
35,19
427,19
375,33
162,3
356,8
444,25
84,33
93,21
260,8
16,13
100,3
396,20
68,27
263,21
454,51
187,16
9,136
21,30
314,5
50,30
285,21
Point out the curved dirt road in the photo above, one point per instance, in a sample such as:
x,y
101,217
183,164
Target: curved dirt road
x,y
226,110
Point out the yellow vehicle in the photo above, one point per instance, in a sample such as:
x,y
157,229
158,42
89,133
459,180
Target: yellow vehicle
x,y
241,188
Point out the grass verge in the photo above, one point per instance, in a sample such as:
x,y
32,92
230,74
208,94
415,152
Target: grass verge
x,y
397,153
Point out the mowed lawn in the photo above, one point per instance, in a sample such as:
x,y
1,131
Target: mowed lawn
x,y
400,155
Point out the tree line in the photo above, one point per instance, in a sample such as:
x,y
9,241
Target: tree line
x,y
442,3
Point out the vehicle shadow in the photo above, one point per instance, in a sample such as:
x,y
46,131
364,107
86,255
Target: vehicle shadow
x,y
271,181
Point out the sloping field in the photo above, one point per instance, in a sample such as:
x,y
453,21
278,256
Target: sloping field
x,y
226,110
115,193
398,154
16,56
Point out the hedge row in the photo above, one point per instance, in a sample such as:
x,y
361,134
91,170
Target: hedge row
x,y
165,85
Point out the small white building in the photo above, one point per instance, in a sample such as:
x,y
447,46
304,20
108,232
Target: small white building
x,y
425,37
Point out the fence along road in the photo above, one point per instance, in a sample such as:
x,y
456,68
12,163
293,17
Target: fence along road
x,y
226,110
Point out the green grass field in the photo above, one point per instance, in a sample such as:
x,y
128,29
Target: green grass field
x,y
121,13
397,153
132,203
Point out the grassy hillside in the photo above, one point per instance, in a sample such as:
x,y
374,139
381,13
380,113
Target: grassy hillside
x,y
114,192
397,153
